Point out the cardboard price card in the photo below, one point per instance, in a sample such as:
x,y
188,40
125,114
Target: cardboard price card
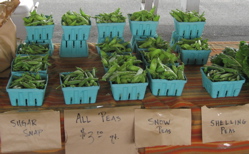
x,y
30,131
103,130
225,124
154,127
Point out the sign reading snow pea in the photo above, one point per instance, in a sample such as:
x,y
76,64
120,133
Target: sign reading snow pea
x,y
108,129
29,131
225,124
155,127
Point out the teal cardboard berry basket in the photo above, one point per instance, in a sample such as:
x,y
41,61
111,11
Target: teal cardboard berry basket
x,y
110,30
79,95
194,57
163,87
26,97
69,48
222,88
40,32
129,91
143,28
189,30
73,33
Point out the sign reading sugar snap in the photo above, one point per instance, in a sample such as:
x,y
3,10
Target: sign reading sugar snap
x,y
154,127
225,124
30,131
109,129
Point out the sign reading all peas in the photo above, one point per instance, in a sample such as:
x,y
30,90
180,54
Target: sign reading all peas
x,y
109,129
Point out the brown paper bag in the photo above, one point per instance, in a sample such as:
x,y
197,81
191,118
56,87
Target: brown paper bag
x,y
7,44
6,9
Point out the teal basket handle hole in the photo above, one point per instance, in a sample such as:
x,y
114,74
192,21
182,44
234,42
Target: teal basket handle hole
x,y
16,102
90,100
71,100
26,102
138,96
36,103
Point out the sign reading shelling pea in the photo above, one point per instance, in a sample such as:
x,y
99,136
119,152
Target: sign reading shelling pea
x,y
225,124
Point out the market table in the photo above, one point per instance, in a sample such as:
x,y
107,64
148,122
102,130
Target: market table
x,y
194,96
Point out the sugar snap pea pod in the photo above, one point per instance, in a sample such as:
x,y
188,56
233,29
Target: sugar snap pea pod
x,y
79,77
180,72
26,85
109,72
94,70
113,77
89,74
79,69
66,78
33,62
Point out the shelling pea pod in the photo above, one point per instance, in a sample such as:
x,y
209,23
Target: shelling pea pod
x,y
218,73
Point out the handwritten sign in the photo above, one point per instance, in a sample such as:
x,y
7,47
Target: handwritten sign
x,y
225,124
155,127
103,130
29,131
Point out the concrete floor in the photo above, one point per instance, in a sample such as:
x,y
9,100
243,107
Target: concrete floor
x,y
227,20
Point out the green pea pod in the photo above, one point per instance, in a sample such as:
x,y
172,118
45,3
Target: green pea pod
x,y
180,72
113,41
156,18
155,52
118,45
146,44
194,19
153,64
133,68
